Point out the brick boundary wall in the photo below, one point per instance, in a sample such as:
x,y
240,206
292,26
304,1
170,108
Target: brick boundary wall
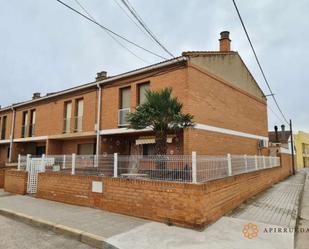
x,y
2,175
183,204
15,181
2,171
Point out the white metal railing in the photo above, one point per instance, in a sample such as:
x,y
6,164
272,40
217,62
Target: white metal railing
x,y
181,168
122,117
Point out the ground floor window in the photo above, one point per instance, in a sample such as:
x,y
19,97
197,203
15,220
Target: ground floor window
x,y
86,149
148,149
40,150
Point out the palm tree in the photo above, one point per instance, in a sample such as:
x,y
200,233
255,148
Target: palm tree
x,y
162,113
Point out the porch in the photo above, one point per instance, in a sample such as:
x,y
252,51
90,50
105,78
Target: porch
x,y
139,143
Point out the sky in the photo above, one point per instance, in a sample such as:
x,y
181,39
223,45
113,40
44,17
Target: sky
x,y
44,47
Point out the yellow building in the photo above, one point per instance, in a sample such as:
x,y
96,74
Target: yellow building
x,y
302,149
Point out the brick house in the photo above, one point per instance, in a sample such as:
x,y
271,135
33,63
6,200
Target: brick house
x,y
229,108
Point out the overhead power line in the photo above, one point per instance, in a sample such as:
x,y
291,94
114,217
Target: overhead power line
x,y
110,31
135,23
143,24
259,64
114,38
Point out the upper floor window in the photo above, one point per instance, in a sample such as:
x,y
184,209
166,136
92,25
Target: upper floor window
x,y
67,117
24,124
3,127
124,106
32,123
79,115
141,93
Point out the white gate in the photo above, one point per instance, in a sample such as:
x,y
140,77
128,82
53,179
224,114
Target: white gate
x,y
34,166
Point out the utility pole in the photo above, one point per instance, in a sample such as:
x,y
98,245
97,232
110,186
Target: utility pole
x,y
292,147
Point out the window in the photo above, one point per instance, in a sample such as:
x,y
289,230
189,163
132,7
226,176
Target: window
x,y
148,149
67,117
79,115
141,93
86,149
3,128
125,98
124,106
32,123
24,124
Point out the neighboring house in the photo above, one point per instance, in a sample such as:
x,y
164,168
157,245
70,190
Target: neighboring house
x,y
301,141
229,108
280,141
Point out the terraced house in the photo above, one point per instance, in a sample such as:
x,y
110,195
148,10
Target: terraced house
x,y
229,108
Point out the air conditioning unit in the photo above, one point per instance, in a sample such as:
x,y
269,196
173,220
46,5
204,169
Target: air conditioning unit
x,y
263,143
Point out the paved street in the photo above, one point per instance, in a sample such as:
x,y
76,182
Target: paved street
x,y
16,235
275,208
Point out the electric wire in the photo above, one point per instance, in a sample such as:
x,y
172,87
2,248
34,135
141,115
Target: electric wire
x,y
129,6
114,38
258,62
109,30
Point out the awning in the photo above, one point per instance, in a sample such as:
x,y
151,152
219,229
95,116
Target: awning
x,y
152,140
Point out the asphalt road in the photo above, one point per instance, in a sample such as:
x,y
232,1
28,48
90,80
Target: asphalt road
x,y
16,235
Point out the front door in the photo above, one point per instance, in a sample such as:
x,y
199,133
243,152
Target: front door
x,y
40,150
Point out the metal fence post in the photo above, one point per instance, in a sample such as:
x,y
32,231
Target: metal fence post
x,y
246,162
19,162
115,165
229,164
73,163
264,164
256,162
96,161
64,161
28,162
194,176
43,163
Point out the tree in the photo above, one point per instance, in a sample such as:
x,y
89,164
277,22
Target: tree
x,y
162,113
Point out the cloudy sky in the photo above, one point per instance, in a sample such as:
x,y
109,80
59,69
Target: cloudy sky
x,y
44,47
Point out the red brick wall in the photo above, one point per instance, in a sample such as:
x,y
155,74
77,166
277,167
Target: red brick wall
x,y
216,102
55,108
189,205
68,189
214,143
15,181
2,171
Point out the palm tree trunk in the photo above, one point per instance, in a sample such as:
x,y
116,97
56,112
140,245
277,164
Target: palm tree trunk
x,y
161,143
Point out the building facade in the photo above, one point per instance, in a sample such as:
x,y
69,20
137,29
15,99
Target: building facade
x,y
302,149
229,109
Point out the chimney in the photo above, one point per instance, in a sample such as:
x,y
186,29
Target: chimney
x,y
283,132
276,133
225,42
101,76
36,95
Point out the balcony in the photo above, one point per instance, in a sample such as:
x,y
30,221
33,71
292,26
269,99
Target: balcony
x,y
67,125
123,117
23,131
78,124
31,130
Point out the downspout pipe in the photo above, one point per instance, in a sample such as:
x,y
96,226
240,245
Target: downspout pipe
x,y
12,134
98,124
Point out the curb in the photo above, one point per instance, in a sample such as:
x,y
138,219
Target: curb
x,y
82,236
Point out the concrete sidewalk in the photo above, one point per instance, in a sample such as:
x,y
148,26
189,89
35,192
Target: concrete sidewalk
x,y
302,238
274,208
